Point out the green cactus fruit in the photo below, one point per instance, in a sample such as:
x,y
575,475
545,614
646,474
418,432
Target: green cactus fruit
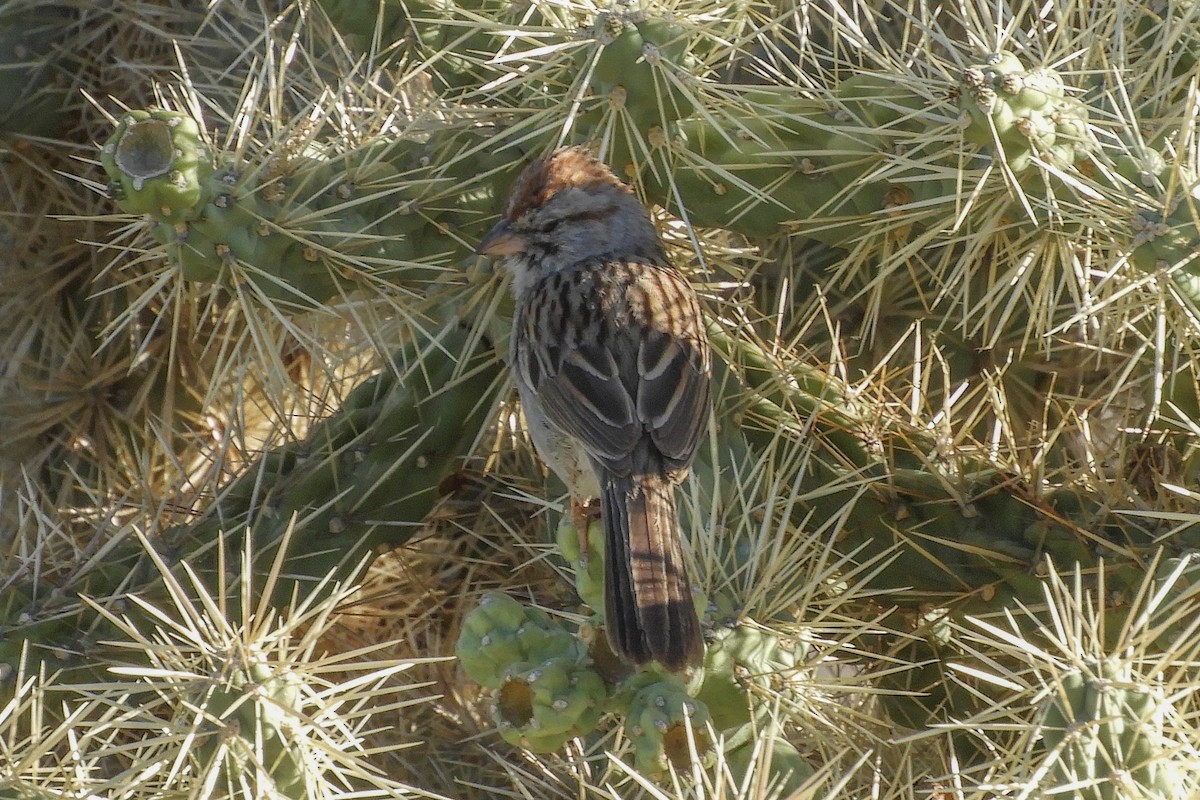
x,y
247,730
1020,113
1103,733
750,747
158,165
739,659
589,572
542,705
663,722
500,632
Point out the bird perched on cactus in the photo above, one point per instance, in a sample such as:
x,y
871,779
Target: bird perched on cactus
x,y
612,364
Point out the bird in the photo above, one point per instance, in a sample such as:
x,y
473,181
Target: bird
x,y
610,356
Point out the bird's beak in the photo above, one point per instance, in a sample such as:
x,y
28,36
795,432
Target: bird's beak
x,y
501,240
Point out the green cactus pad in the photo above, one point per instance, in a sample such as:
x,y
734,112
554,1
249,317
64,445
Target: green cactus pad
x,y
1103,734
589,572
541,706
737,659
500,632
158,165
1020,113
662,721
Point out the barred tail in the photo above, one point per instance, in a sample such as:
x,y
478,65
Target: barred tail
x,y
647,596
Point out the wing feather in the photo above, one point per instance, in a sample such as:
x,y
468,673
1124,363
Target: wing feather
x,y
640,378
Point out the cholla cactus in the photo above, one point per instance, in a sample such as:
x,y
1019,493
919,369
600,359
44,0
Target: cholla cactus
x,y
949,259
204,695
1104,733
589,566
668,727
541,706
1019,113
500,633
1091,703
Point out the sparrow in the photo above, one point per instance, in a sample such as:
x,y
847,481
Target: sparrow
x,y
611,361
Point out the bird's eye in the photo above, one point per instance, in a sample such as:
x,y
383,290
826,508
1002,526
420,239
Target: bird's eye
x,y
551,225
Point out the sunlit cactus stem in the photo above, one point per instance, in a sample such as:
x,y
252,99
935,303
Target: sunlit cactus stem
x,y
363,479
1104,736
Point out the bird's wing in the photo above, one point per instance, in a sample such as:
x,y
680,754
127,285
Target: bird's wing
x,y
642,380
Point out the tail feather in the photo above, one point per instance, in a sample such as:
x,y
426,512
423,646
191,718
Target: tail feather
x,y
647,596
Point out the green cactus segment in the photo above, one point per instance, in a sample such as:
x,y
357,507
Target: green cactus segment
x,y
761,170
667,727
788,160
636,71
500,632
589,571
158,165
920,694
392,211
364,19
1104,735
16,788
453,41
878,101
738,661
636,68
751,747
541,706
246,729
1021,113
368,475
363,479
1166,231
913,519
975,538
